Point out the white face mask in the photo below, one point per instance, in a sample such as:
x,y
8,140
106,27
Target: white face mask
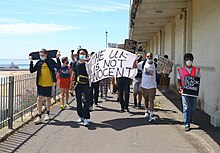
x,y
189,63
43,58
82,57
149,60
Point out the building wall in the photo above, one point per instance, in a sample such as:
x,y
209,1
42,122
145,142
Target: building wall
x,y
167,48
179,39
205,48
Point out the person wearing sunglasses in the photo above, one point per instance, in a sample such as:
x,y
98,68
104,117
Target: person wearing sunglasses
x,y
148,83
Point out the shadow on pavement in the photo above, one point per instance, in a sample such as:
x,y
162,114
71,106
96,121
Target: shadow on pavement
x,y
200,118
22,136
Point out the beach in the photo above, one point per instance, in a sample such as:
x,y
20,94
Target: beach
x,y
12,73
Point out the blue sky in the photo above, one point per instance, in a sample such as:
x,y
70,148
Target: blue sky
x,y
30,25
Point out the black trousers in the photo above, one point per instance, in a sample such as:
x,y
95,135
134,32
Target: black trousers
x,y
124,89
94,93
82,99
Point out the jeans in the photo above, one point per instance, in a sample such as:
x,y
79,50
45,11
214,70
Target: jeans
x,y
82,97
94,93
189,105
124,87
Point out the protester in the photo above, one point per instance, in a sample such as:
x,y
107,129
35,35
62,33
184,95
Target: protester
x,y
157,74
137,85
94,91
82,87
188,102
65,78
46,78
148,83
124,91
165,80
74,59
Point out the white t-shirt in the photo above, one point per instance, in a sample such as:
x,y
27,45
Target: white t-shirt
x,y
148,75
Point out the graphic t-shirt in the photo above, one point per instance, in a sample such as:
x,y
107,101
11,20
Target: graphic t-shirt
x,y
65,72
45,79
148,75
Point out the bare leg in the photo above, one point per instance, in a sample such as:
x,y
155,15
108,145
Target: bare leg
x,y
48,103
39,104
67,96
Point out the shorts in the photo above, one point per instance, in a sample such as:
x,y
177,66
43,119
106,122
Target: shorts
x,y
150,93
64,83
137,85
44,91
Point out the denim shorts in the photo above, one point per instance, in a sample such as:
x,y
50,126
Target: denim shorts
x,y
44,91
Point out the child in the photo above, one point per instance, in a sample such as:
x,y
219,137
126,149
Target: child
x,y
65,79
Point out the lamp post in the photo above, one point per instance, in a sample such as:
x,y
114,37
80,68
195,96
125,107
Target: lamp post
x,y
106,34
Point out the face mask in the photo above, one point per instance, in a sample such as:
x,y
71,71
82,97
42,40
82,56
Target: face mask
x,y
67,62
82,57
149,60
189,63
43,58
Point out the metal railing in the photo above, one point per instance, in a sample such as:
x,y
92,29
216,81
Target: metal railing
x,y
18,96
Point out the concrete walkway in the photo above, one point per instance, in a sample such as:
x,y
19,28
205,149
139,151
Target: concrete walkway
x,y
110,132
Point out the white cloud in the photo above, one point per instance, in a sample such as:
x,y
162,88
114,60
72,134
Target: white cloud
x,y
8,20
31,28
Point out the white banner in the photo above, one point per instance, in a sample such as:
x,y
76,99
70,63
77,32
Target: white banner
x,y
111,62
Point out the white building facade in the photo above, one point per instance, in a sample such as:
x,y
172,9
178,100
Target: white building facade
x,y
176,27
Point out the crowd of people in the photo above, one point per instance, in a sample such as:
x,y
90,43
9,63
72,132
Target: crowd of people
x,y
72,78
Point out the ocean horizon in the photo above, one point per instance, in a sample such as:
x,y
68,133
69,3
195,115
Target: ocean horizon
x,y
21,63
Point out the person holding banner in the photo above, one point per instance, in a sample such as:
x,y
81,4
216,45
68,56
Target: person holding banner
x,y
46,78
82,88
137,85
124,90
148,83
188,101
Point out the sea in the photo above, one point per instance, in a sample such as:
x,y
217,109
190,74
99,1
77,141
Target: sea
x,y
21,63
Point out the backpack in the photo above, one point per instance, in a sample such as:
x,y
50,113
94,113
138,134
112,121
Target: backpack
x,y
143,64
65,73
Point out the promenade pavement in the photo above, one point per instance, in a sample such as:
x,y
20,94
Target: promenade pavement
x,y
113,132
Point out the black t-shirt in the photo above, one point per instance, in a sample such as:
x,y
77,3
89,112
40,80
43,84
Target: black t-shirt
x,y
79,68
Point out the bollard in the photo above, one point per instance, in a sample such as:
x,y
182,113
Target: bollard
x,y
10,102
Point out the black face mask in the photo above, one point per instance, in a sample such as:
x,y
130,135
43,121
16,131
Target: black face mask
x,y
67,62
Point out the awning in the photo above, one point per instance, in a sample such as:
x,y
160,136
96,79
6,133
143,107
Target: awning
x,y
147,17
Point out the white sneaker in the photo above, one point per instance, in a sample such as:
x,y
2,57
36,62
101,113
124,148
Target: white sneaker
x,y
151,119
86,123
146,114
38,120
46,117
80,120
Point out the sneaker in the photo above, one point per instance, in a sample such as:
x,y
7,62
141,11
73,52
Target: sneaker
x,y
151,119
96,105
187,128
127,110
86,123
122,111
38,120
146,114
91,108
80,120
67,105
46,118
62,107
